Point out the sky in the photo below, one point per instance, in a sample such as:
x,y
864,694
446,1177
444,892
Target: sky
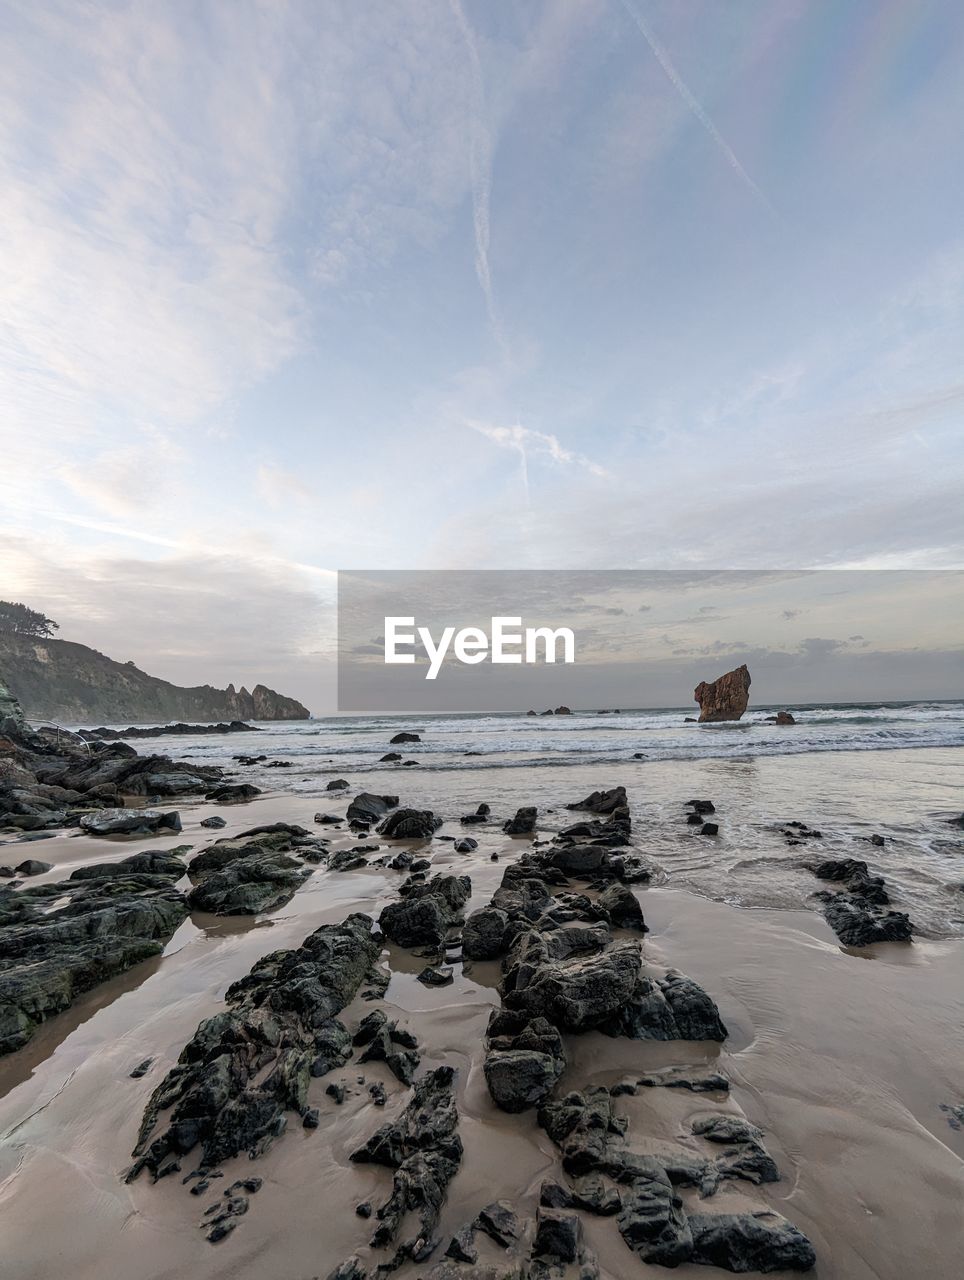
x,y
295,287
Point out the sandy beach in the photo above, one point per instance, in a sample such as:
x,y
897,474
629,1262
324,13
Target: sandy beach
x,y
843,1058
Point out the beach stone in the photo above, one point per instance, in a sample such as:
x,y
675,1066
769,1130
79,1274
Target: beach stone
x,y
709,829
465,845
621,908
404,736
486,934
523,824
109,822
33,867
749,1242
233,793
370,808
557,1236
337,784
499,1222
436,976
214,821
410,824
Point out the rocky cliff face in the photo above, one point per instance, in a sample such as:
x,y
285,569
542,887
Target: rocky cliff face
x,y
725,698
71,684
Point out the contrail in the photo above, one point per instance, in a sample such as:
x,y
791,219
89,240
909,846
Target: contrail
x,y
678,83
480,171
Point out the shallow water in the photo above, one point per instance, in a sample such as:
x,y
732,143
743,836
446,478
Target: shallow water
x,y
845,1059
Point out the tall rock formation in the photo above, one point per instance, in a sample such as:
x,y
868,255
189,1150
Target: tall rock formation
x,y
71,684
725,698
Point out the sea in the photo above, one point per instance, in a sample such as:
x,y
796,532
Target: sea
x,y
851,771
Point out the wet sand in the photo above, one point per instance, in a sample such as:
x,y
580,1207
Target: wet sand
x,y
843,1059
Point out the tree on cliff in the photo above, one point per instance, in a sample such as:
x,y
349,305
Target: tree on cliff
x,y
25,622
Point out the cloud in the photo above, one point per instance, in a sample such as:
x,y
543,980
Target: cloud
x,y
538,444
676,80
279,487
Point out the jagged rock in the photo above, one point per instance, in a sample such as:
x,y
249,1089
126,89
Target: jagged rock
x,y
714,1083
486,935
726,1128
370,808
783,717
525,1058
233,793
652,1222
523,824
499,1222
112,822
404,736
383,1046
424,1149
481,815
248,885
750,1242
725,698
248,1065
701,806
423,917
856,876
557,1236
858,924
410,824
436,975
337,784
153,863
48,959
670,1008
620,906
575,994
603,802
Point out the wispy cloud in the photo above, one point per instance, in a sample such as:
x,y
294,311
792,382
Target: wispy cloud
x,y
679,84
526,443
480,168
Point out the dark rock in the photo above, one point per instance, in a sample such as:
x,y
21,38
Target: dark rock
x,y
701,806
336,784
328,819
436,976
462,1246
153,863
725,698
337,1092
48,959
404,736
525,1058
248,1065
311,1118
858,924
523,824
410,824
465,845
694,820
486,935
389,757
213,821
423,1149
750,1242
709,829
247,885
694,1084
233,793
620,906
109,822
557,1236
499,1222
670,1008
370,808
603,802
142,1069
727,1129
424,916
783,717
31,867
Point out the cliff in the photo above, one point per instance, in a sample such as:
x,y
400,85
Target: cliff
x,y
71,684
